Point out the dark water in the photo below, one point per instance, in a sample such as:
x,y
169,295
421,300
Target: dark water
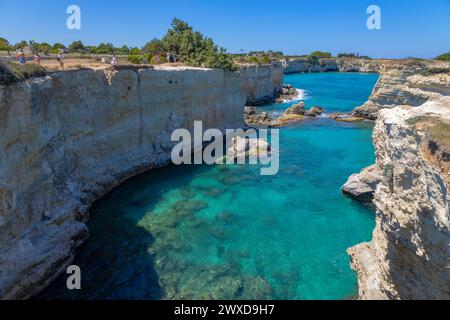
x,y
226,232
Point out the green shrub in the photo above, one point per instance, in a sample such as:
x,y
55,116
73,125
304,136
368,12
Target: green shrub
x,y
137,59
444,57
388,174
11,72
346,55
313,60
320,54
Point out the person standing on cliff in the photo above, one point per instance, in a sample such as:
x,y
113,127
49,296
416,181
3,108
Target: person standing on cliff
x,y
60,59
37,58
21,57
114,61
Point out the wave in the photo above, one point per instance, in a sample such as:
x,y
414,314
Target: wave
x,y
300,96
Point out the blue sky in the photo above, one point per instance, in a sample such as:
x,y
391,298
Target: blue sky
x,y
417,28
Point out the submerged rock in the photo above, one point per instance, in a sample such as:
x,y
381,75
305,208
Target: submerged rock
x,y
345,117
190,205
362,186
226,217
187,192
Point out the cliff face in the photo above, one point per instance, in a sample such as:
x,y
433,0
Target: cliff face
x,y
406,83
302,65
70,137
261,84
409,256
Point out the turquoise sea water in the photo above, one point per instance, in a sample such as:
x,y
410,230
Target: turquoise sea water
x,y
225,232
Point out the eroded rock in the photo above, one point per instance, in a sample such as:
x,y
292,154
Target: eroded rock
x,y
362,186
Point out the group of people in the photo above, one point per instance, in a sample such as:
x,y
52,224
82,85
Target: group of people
x,y
22,58
171,57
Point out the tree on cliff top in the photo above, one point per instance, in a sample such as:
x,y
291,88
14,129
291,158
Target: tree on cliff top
x,y
190,47
320,54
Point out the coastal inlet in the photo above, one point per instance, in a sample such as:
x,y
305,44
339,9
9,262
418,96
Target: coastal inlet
x,y
226,232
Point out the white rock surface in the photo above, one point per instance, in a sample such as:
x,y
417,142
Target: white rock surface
x,y
409,256
406,83
362,186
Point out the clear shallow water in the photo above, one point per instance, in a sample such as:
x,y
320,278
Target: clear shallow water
x,y
225,232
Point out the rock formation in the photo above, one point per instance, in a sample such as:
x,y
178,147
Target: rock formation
x,y
254,118
315,111
362,186
244,147
293,114
70,137
301,65
261,84
408,257
406,83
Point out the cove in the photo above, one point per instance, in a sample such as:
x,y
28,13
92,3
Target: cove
x,y
226,232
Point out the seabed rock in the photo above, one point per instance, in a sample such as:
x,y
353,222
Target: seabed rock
x,y
187,192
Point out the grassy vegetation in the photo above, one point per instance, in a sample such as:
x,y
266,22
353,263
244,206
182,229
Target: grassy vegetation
x,y
181,41
259,57
435,128
11,72
444,57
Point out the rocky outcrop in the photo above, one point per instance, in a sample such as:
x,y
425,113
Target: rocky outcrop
x,y
261,83
362,186
303,65
253,117
406,83
408,257
68,138
294,113
297,109
359,65
288,93
315,111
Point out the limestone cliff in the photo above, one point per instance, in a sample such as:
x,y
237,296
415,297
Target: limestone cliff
x,y
409,255
261,84
406,83
301,65
68,138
